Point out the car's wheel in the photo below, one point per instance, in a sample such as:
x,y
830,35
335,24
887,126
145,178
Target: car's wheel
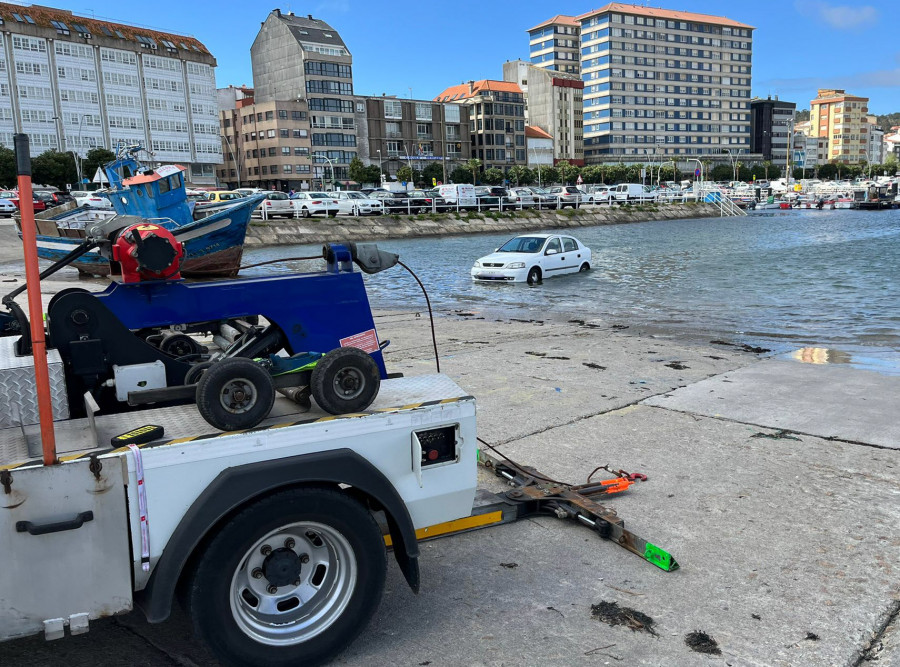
x,y
304,212
534,276
345,380
290,579
332,214
584,267
235,394
196,371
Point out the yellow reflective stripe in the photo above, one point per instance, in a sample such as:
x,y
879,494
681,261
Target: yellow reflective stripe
x,y
455,526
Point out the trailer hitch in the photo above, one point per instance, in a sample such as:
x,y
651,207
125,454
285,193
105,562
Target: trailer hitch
x,y
536,494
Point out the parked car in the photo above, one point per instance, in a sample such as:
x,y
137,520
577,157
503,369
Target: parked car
x,y
491,196
246,192
531,258
7,208
566,195
597,194
307,204
522,198
632,192
62,197
13,196
275,204
438,203
544,199
356,203
403,202
45,197
90,199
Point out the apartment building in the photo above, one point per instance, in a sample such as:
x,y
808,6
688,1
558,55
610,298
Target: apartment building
x,y
812,150
553,102
772,122
496,120
74,83
840,119
555,44
891,144
304,61
875,148
267,145
662,82
394,132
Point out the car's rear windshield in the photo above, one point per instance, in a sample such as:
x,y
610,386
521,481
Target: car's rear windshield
x,y
319,195
523,244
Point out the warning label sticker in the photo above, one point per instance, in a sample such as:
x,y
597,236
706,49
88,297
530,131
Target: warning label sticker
x,y
367,341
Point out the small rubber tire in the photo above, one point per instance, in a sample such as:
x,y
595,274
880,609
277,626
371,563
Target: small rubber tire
x,y
534,276
304,213
345,380
235,394
196,371
217,593
584,267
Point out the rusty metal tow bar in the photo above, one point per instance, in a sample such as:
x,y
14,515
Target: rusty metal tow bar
x,y
536,494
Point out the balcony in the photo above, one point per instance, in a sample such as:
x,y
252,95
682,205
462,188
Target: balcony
x,y
425,137
394,135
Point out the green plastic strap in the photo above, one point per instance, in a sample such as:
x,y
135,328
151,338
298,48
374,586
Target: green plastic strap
x,y
659,557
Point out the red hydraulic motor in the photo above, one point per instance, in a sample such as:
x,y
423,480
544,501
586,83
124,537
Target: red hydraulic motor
x,y
147,252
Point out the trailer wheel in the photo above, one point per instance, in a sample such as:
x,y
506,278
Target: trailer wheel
x,y
196,371
235,394
345,380
290,580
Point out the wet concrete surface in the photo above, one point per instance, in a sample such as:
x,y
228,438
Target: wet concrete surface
x,y
781,534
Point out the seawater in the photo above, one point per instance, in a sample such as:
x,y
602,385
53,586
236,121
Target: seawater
x,y
781,280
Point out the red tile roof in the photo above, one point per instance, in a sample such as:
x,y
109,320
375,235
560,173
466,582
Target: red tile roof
x,y
654,12
461,92
536,133
43,15
559,19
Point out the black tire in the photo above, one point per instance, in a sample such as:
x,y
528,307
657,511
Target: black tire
x,y
332,214
196,371
584,267
534,276
235,394
345,380
335,532
304,213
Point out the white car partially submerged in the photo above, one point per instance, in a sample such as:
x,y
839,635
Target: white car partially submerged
x,y
531,258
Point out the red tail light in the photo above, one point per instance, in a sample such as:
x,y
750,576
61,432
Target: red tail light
x,y
316,202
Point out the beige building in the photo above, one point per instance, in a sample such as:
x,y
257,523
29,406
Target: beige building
x,y
840,119
267,145
496,120
556,44
553,103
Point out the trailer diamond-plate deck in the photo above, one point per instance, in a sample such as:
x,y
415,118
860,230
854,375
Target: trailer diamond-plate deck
x,y
75,435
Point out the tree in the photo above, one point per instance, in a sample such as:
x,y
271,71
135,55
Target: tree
x,y
520,174
721,172
357,170
96,158
567,172
492,176
766,166
404,173
372,174
7,167
461,175
550,175
592,174
54,168
433,173
474,166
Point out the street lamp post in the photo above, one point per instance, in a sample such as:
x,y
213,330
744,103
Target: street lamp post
x,y
699,167
234,158
380,168
731,159
330,164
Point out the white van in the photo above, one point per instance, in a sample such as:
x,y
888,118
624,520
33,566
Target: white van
x,y
461,195
624,193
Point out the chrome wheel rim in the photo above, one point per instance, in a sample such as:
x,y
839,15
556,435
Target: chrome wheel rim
x,y
293,584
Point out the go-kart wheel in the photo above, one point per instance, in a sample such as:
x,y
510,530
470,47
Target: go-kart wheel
x,y
196,371
235,394
345,380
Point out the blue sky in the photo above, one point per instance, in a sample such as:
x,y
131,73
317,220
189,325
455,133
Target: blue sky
x,y
799,45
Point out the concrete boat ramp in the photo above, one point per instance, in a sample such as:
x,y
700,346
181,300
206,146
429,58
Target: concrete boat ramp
x,y
775,484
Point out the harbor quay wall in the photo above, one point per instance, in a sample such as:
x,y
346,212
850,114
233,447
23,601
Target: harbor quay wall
x,y
367,228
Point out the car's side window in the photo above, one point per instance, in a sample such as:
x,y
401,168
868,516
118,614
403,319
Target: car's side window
x,y
569,245
553,245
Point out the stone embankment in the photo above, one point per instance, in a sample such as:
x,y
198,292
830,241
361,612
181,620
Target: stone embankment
x,y
345,228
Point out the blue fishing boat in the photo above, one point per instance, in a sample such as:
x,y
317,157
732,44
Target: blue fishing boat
x,y
213,239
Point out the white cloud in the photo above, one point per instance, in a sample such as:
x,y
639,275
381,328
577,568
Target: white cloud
x,y
839,17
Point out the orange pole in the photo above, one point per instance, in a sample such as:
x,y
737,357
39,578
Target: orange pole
x,y
35,308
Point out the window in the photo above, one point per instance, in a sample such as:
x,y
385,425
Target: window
x,y
270,115
298,115
272,151
423,111
285,150
301,134
287,169
270,134
284,134
301,150
393,109
282,114
451,113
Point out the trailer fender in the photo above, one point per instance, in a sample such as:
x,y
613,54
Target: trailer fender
x,y
235,487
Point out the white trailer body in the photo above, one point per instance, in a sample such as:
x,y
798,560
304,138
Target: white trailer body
x,y
71,537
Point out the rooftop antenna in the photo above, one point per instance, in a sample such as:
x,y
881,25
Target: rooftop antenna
x,y
92,13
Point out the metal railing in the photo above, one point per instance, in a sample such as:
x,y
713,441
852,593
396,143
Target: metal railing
x,y
724,203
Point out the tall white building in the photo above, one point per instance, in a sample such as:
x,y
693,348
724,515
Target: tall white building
x,y
74,83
